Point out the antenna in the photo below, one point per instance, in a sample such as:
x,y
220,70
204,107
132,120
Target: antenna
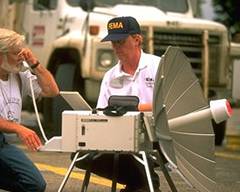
x,y
182,119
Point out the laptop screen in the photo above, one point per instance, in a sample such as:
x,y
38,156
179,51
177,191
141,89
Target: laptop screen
x,y
75,100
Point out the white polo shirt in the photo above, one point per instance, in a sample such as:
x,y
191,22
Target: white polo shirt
x,y
117,82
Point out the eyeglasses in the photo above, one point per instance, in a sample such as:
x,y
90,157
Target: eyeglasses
x,y
15,52
119,42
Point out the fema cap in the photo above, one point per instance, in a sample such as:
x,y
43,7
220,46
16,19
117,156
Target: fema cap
x,y
121,27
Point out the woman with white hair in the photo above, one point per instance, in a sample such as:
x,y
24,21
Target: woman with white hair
x,y
18,173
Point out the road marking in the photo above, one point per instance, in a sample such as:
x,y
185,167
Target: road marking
x,y
76,175
227,155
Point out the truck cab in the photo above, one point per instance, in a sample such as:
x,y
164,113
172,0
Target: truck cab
x,y
66,34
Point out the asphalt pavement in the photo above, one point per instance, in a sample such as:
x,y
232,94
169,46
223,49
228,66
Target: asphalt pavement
x,y
54,165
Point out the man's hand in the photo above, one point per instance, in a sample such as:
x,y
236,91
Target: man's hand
x,y
145,107
28,56
44,77
29,138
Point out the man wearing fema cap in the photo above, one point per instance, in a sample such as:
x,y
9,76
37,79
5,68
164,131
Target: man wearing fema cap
x,y
134,74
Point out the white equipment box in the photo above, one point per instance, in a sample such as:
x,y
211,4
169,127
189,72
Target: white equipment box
x,y
82,130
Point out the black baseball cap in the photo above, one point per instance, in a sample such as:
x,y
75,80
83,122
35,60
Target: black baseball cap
x,y
121,27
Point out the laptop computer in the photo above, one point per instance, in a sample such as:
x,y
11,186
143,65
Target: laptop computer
x,y
75,100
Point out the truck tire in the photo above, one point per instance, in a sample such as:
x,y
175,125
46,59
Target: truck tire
x,y
219,130
53,107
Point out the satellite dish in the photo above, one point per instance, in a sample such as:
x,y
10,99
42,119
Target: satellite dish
x,y
182,123
189,147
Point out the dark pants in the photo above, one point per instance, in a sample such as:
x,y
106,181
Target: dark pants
x,y
17,172
130,171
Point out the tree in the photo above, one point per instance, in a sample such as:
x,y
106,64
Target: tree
x,y
228,13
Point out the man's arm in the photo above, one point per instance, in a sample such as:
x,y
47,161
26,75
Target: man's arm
x,y
44,77
27,136
46,82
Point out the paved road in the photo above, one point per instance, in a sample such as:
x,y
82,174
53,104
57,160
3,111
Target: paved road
x,y
228,170
54,165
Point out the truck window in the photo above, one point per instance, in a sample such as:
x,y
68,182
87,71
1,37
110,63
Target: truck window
x,y
180,6
45,4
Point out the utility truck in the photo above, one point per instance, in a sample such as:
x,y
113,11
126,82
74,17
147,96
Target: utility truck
x,y
66,34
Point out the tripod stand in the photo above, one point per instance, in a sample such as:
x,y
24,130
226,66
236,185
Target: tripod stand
x,y
140,157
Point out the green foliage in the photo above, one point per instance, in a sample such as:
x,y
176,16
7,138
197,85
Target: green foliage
x,y
228,13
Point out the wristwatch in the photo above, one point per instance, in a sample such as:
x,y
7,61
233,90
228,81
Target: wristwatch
x,y
35,65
